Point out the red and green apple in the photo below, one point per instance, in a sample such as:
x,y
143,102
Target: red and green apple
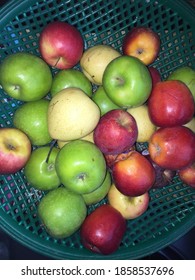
x,y
15,150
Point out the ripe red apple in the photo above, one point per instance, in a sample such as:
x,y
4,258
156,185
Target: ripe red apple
x,y
143,43
15,150
133,176
61,45
103,229
129,207
170,104
187,175
155,75
116,132
172,147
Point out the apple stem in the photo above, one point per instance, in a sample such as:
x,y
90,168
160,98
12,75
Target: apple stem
x,y
50,150
57,61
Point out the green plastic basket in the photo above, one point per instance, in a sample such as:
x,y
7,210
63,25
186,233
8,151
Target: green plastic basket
x,y
171,211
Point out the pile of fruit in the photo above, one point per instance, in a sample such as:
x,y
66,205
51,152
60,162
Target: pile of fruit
x,y
77,132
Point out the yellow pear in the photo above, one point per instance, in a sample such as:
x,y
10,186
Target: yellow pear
x,y
88,137
94,61
72,115
145,126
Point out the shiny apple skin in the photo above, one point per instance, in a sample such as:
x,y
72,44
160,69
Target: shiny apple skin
x,y
170,104
143,43
15,150
61,45
187,175
133,176
172,147
103,230
116,132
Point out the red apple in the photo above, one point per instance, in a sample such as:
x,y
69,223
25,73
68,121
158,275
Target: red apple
x,y
143,43
172,147
129,207
187,175
116,132
103,229
133,176
170,104
155,75
61,45
15,150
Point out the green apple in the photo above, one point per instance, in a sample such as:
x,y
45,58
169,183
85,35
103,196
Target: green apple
x,y
81,166
40,169
31,118
25,76
100,192
71,78
103,101
127,81
62,212
186,75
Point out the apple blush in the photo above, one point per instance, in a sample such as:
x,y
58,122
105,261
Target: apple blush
x,y
170,104
15,150
116,132
103,229
61,45
134,175
172,147
187,175
143,43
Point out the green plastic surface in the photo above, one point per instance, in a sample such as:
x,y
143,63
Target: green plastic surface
x,y
171,211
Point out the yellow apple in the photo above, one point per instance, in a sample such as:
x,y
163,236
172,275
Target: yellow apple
x,y
145,126
72,115
129,207
94,61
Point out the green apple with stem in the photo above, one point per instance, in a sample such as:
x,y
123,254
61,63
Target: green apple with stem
x,y
81,166
127,81
40,169
103,101
31,118
70,78
25,76
99,193
186,75
62,212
